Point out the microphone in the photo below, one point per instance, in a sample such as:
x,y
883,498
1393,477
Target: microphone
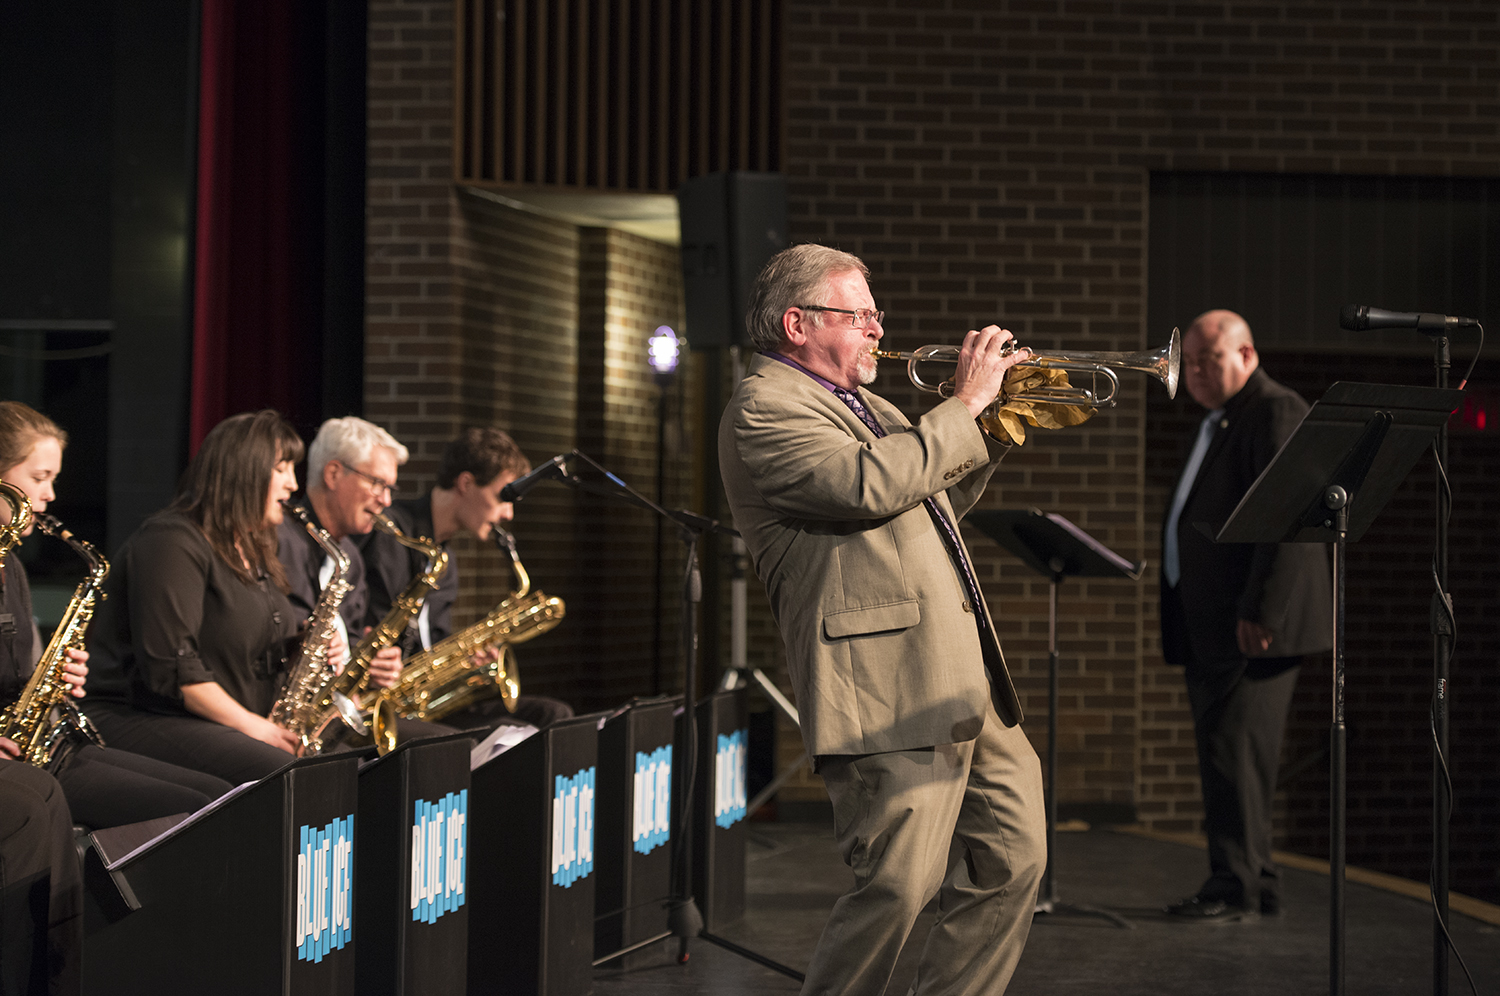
x,y
1359,317
554,469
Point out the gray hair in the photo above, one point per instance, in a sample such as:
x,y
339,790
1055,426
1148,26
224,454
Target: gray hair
x,y
349,441
792,278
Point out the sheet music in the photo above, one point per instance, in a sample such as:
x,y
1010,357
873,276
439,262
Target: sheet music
x,y
505,737
1125,567
192,820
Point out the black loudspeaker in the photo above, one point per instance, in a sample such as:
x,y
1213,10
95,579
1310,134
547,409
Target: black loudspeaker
x,y
732,223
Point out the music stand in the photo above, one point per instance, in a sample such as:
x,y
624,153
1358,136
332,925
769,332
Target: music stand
x,y
1052,546
1371,435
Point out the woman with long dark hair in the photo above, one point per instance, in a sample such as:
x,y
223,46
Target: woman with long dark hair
x,y
189,649
105,787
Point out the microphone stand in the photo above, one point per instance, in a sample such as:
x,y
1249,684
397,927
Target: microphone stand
x,y
684,919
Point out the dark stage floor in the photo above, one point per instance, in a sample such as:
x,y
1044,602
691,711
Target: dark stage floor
x,y
795,875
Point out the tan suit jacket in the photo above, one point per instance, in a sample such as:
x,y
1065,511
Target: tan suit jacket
x,y
881,641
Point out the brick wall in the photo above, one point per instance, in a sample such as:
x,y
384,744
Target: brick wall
x,y
478,312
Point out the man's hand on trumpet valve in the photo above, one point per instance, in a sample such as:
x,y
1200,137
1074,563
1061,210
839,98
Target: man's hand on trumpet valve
x,y
982,364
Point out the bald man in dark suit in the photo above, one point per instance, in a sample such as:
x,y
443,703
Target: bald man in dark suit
x,y
1238,617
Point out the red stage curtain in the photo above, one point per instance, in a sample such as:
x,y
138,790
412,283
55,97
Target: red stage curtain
x,y
257,323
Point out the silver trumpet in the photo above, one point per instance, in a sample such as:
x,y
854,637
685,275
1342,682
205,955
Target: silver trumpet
x,y
1163,364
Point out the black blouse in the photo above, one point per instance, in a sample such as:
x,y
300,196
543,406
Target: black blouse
x,y
176,614
16,647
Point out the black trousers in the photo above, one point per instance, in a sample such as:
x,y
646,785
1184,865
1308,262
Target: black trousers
x,y
109,788
41,886
1239,717
188,742
537,710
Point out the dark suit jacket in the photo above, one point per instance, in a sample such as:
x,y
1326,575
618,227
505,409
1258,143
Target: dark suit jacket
x,y
389,568
1286,587
301,557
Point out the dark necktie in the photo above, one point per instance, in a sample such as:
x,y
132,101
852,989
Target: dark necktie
x,y
945,528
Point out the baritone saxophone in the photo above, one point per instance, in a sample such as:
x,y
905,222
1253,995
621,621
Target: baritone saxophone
x,y
448,678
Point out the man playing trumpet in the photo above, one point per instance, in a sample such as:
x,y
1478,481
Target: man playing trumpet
x,y
850,513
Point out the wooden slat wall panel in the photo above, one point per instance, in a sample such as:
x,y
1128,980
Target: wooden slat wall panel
x,y
615,94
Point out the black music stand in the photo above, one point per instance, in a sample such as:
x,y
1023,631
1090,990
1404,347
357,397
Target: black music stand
x,y
1052,546
1326,484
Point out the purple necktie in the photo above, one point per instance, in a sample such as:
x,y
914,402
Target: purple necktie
x,y
950,535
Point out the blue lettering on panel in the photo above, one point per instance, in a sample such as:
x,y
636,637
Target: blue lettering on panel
x,y
572,827
325,888
652,800
729,778
439,855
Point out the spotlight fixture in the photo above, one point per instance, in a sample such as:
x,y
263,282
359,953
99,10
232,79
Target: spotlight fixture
x,y
665,352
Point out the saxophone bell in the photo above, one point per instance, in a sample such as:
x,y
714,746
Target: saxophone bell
x,y
379,727
15,527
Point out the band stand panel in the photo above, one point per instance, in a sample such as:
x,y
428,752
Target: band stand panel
x,y
411,875
531,847
219,906
718,807
633,852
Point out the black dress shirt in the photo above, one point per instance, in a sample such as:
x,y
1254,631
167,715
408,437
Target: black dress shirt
x,y
177,614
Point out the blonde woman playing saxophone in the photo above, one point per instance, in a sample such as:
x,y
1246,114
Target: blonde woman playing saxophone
x,y
104,787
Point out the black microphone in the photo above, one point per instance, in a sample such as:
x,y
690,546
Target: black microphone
x,y
1359,317
554,469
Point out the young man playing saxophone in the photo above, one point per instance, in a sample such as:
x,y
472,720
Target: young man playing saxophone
x,y
475,467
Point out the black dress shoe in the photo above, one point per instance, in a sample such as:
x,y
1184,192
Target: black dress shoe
x,y
1205,909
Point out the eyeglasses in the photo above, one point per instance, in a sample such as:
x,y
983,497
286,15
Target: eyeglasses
x,y
378,485
861,319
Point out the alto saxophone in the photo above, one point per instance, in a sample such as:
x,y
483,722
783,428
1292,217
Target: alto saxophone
x,y
29,721
355,681
304,702
446,678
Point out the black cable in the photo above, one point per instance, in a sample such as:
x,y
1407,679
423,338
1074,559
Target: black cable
x,y
1432,867
1446,493
1475,359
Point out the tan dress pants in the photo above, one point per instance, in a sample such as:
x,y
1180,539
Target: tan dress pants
x,y
964,822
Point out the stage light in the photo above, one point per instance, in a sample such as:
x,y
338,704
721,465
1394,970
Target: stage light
x,y
665,351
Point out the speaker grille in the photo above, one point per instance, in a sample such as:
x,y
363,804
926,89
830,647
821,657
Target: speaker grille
x,y
615,95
